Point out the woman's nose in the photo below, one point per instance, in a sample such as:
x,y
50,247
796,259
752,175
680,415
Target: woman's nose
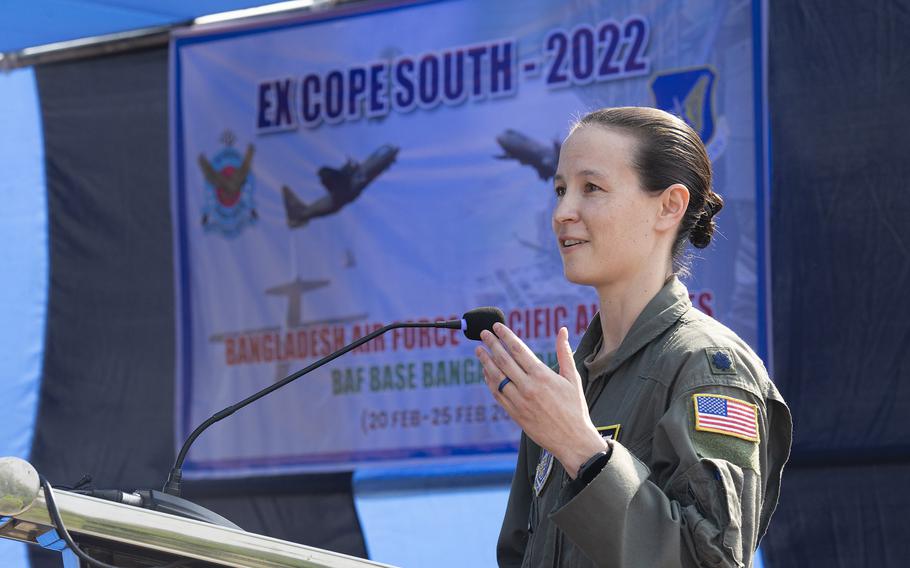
x,y
566,210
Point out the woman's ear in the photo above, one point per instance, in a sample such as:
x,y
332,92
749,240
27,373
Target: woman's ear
x,y
673,204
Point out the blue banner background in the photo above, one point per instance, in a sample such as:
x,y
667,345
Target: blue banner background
x,y
443,228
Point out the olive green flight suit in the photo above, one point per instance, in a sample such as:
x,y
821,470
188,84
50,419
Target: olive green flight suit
x,y
670,495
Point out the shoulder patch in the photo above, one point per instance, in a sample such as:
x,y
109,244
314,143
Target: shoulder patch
x,y
721,361
609,432
709,442
726,415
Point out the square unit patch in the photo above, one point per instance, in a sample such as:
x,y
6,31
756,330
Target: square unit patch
x,y
726,415
609,432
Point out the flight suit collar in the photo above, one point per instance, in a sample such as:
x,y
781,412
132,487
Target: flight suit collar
x,y
659,314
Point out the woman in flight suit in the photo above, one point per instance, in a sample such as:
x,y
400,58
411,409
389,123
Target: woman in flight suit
x,y
660,442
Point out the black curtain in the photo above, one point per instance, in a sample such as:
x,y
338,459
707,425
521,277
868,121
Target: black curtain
x,y
107,397
839,92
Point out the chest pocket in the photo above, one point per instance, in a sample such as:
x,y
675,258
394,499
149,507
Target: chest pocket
x,y
634,405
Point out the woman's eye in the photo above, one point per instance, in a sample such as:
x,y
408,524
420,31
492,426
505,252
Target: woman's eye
x,y
590,188
560,191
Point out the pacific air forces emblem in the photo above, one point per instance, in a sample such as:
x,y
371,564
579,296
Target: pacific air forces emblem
x,y
229,185
689,94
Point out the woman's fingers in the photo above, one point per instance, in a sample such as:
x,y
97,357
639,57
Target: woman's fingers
x,y
496,379
517,350
503,358
566,358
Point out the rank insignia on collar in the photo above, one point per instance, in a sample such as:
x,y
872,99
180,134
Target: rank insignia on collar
x,y
544,466
721,361
609,432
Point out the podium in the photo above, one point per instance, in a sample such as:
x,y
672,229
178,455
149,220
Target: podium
x,y
138,537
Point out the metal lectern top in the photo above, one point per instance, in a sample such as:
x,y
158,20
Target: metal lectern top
x,y
24,517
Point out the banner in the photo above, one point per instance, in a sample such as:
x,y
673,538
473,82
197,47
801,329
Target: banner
x,y
348,169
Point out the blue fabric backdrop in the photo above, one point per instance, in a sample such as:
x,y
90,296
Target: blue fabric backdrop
x,y
23,258
28,23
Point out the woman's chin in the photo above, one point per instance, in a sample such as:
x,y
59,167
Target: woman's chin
x,y
580,277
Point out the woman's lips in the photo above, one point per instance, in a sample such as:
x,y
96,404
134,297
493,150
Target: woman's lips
x,y
570,243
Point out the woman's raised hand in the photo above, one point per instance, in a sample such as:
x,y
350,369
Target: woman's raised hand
x,y
550,407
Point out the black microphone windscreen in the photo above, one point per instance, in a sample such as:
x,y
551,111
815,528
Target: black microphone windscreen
x,y
480,319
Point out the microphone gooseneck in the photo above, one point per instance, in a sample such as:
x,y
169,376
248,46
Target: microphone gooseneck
x,y
472,323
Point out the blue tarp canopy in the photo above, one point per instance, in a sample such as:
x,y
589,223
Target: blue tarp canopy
x,y
30,23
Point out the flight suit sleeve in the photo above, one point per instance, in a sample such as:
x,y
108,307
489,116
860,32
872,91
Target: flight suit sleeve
x,y
700,504
513,536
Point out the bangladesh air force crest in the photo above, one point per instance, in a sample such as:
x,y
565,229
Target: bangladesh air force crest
x,y
229,184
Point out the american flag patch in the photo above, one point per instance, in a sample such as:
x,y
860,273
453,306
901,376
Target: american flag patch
x,y
726,415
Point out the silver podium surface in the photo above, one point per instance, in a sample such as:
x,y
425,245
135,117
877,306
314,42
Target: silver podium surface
x,y
22,503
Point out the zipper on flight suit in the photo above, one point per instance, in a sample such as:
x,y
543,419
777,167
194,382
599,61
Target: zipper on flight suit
x,y
593,391
532,530
557,554
558,545
532,518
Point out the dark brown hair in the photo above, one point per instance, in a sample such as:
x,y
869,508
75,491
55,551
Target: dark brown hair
x,y
669,151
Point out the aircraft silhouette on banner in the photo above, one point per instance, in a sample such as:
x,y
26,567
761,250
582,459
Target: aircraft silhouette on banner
x,y
344,186
529,152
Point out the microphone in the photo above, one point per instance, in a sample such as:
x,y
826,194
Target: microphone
x,y
471,323
480,319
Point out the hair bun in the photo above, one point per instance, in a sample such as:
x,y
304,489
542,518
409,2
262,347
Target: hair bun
x,y
701,233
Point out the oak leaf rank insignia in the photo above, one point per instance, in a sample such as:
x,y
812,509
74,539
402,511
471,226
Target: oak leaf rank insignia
x,y
721,361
